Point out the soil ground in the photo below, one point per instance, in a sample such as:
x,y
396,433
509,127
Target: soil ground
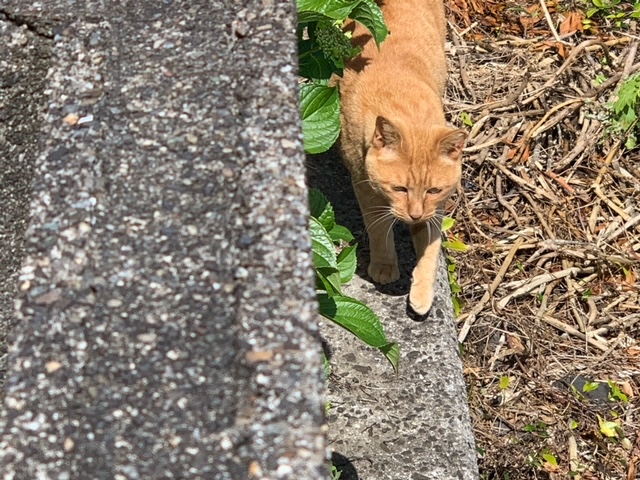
x,y
549,208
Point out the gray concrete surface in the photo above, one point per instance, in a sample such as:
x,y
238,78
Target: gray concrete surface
x,y
166,323
24,59
412,426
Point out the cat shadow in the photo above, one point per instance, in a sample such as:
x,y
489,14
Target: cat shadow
x,y
344,466
327,173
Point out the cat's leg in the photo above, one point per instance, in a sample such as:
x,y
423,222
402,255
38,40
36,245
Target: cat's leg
x,y
426,241
383,264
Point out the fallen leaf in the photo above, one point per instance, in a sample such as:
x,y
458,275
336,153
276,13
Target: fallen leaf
x,y
559,47
572,23
633,351
630,277
627,389
489,21
515,344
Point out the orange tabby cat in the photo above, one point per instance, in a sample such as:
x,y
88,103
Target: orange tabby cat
x,y
404,160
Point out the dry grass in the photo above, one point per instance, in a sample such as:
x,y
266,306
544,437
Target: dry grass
x,y
551,212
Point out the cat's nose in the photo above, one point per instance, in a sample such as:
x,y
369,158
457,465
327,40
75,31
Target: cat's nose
x,y
415,217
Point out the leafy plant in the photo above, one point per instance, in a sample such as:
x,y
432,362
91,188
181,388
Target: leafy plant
x,y
335,473
322,49
624,111
334,259
608,428
590,387
538,428
466,119
453,243
615,11
616,394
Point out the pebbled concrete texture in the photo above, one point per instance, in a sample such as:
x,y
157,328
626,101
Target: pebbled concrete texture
x,y
381,426
166,324
24,59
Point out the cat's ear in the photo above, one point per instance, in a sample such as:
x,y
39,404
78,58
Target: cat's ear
x,y
451,144
386,135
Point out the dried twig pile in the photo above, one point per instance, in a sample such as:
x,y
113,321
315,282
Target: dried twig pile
x,y
551,212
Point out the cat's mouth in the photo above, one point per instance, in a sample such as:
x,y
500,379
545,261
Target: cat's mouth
x,y
434,217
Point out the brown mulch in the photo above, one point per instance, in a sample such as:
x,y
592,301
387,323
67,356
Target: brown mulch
x,y
550,210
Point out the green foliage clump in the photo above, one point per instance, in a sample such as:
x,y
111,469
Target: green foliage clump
x,y
322,49
334,44
455,244
615,11
334,258
624,112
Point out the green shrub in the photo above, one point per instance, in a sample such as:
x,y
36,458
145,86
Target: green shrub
x,y
322,49
624,112
334,258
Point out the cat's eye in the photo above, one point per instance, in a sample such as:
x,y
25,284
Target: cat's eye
x,y
399,189
434,191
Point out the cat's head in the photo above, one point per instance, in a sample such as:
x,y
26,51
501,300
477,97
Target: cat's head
x,y
416,169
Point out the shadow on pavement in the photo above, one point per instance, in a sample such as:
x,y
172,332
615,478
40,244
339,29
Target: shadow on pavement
x,y
345,467
327,173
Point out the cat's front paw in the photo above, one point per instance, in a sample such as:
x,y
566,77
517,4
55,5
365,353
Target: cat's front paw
x,y
383,273
421,297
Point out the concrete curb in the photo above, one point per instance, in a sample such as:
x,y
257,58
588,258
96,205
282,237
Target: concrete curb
x,y
385,427
167,325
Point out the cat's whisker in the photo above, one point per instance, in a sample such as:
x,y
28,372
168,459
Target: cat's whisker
x,y
361,182
389,230
379,209
378,221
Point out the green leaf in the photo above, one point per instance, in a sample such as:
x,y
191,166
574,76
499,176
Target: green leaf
x,y
369,14
320,108
592,11
313,63
550,458
333,9
392,352
616,393
354,316
590,387
455,244
347,263
457,305
309,16
609,429
322,210
324,254
466,119
631,142
447,223
338,233
504,382
326,367
573,424
328,280
628,94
